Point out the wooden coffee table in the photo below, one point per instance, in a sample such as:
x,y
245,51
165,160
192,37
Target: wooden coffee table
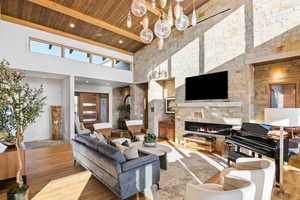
x,y
160,150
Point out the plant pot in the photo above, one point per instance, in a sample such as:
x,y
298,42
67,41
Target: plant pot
x,y
12,195
150,144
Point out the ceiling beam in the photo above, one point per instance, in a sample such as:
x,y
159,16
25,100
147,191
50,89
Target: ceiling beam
x,y
86,18
61,33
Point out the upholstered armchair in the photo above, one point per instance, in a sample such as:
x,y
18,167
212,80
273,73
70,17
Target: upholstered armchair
x,y
136,129
232,189
104,129
261,172
80,129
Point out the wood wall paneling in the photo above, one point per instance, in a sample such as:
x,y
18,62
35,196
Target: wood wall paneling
x,y
92,18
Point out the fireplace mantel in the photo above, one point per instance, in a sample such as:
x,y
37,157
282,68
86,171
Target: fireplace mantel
x,y
210,104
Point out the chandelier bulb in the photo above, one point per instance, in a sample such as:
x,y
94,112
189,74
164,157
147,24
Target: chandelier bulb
x,y
170,15
146,35
160,43
177,10
163,3
139,8
129,20
182,22
194,18
145,22
153,3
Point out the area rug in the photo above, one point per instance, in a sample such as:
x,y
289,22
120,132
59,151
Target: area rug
x,y
185,166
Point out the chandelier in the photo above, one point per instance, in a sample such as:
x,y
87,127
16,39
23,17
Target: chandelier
x,y
163,26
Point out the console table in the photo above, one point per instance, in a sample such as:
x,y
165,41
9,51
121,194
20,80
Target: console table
x,y
9,164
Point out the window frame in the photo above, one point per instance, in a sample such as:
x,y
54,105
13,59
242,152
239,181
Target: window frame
x,y
81,50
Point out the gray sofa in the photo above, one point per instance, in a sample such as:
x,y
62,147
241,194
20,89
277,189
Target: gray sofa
x,y
109,166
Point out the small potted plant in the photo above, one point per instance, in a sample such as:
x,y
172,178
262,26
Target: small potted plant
x,y
150,140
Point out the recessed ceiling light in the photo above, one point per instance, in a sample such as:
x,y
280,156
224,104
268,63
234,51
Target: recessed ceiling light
x,y
98,35
121,41
86,81
72,25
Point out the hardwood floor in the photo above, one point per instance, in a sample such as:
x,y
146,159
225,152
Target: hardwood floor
x,y
46,164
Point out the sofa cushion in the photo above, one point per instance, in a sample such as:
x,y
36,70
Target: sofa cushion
x,y
111,152
87,140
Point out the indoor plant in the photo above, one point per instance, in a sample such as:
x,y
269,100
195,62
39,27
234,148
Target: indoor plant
x,y
150,140
20,107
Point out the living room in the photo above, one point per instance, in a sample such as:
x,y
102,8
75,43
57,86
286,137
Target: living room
x,y
140,99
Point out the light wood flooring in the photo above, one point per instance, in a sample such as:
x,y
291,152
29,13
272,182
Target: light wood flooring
x,y
46,164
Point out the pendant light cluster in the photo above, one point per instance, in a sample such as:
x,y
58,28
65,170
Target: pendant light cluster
x,y
163,26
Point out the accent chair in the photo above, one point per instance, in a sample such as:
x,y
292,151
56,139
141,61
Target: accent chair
x,y
234,188
136,129
104,129
260,171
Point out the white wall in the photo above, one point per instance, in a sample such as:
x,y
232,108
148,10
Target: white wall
x,y
14,47
41,130
97,89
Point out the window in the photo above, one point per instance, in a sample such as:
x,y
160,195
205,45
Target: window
x,y
102,61
45,48
77,55
50,48
122,65
283,95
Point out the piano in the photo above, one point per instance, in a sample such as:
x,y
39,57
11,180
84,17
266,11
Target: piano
x,y
255,137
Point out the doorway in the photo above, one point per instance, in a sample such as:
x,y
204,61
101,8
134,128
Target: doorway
x,y
92,108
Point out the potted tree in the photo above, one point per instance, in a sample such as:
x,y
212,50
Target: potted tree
x,y
22,106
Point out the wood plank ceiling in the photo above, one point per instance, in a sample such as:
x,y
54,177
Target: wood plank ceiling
x,y
113,12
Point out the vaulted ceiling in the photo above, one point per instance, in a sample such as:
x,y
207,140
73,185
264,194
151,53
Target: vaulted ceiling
x,y
100,21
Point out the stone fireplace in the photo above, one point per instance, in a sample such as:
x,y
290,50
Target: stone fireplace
x,y
231,115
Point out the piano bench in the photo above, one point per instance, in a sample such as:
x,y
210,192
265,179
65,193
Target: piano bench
x,y
234,155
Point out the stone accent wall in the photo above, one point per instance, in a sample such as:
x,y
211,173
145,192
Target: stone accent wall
x,y
266,74
251,28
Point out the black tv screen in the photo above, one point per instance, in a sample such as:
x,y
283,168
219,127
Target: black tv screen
x,y
208,86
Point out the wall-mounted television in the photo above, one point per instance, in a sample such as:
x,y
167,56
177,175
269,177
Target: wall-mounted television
x,y
207,86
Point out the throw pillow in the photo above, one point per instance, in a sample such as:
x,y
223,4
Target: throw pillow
x,y
126,143
99,137
131,153
121,147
